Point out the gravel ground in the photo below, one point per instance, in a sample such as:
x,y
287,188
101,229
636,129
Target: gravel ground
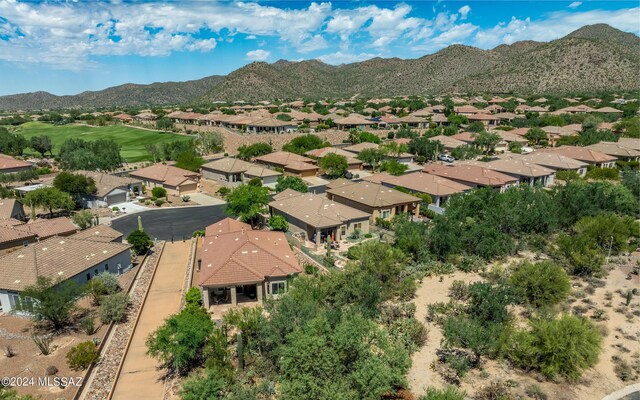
x,y
105,372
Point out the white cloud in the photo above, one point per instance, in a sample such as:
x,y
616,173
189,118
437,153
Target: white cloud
x,y
258,55
555,26
464,11
575,4
251,37
345,58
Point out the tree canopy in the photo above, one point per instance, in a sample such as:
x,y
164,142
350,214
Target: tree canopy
x,y
334,165
291,182
50,198
99,155
302,144
246,201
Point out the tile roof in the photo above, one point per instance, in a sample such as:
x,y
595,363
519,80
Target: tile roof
x,y
515,166
261,172
470,173
353,119
614,149
55,258
45,228
245,257
225,226
370,194
99,233
12,234
630,143
228,165
282,158
581,154
8,162
553,160
426,183
448,141
315,210
357,148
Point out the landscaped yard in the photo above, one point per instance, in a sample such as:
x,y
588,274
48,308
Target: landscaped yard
x,y
132,140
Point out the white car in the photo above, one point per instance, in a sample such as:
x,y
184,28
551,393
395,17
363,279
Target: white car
x,y
446,158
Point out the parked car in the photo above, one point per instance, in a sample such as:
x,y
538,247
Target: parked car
x,y
446,158
527,150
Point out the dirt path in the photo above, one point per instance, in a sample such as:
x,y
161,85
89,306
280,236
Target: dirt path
x,y
431,290
140,377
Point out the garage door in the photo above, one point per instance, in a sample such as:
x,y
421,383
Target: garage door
x,y
116,198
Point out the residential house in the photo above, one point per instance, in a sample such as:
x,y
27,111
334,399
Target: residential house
x,y
239,264
60,259
525,172
554,161
9,165
271,125
448,142
229,170
45,228
268,176
124,118
111,189
146,118
290,163
616,150
589,156
175,180
317,217
472,175
440,189
465,110
376,200
354,120
12,237
403,158
485,119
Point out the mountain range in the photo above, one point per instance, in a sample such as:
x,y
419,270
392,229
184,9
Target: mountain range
x,y
591,59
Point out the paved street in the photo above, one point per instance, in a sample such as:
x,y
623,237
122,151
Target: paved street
x,y
175,223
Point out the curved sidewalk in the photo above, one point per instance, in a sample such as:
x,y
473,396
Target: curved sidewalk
x,y
140,377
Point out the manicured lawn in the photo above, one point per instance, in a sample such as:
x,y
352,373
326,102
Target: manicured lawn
x,y
131,140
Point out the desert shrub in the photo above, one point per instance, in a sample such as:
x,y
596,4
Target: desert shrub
x,y
88,324
611,174
310,269
494,391
623,369
82,355
448,393
8,351
113,308
580,254
459,290
186,198
409,332
560,347
471,264
159,192
368,235
51,370
567,175
609,231
278,223
103,284
407,289
535,392
43,343
541,284
198,233
383,223
193,298
223,191
159,202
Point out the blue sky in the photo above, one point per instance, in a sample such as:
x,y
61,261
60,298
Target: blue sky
x,y
66,47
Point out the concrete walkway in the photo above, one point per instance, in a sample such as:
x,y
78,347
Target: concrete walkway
x,y
140,377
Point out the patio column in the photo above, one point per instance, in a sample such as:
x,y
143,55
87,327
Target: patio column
x,y
205,298
317,239
416,210
234,301
259,292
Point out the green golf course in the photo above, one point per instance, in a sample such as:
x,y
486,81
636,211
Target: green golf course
x,y
132,140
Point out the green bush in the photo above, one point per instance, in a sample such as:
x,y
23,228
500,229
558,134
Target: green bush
x,y
561,347
103,284
193,297
82,355
223,191
368,235
567,175
580,254
113,308
278,223
140,241
159,202
596,173
199,233
541,284
409,332
448,393
158,192
383,223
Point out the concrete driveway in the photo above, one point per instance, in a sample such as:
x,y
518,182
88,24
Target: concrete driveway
x,y
205,199
171,223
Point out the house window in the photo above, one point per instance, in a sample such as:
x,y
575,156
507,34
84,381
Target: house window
x,y
88,276
343,231
277,287
357,226
106,267
22,303
385,213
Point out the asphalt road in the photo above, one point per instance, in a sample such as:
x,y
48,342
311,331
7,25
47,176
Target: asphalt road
x,y
171,223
